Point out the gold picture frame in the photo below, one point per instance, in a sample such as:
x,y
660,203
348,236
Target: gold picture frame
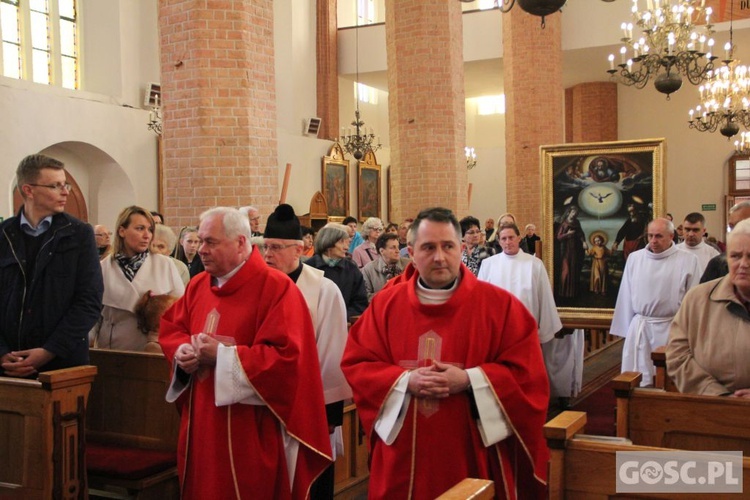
x,y
368,187
335,183
597,199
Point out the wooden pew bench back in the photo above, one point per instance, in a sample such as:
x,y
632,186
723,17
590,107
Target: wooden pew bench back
x,y
132,431
653,417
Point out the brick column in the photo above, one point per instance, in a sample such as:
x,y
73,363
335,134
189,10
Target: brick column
x,y
591,112
219,102
328,69
424,40
532,69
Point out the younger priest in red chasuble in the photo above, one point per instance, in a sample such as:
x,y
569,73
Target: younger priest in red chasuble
x,y
448,377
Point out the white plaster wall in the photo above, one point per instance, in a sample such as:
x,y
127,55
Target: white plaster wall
x,y
96,131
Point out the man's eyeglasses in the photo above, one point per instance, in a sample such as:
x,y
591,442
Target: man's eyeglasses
x,y
101,235
472,232
273,247
57,187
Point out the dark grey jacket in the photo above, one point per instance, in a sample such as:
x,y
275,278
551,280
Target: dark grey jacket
x,y
55,308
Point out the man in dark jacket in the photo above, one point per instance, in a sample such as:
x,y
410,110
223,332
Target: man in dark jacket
x,y
50,279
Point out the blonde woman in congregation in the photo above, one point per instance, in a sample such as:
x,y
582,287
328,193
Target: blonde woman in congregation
x,y
129,272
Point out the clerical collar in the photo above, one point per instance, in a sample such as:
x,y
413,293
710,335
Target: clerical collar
x,y
220,281
436,296
40,229
294,275
663,255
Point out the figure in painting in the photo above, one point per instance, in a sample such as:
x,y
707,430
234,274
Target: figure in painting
x,y
599,255
572,251
632,232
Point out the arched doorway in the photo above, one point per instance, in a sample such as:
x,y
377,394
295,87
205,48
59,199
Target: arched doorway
x,y
76,205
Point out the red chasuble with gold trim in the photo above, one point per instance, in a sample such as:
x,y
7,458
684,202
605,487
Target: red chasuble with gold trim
x,y
439,443
237,451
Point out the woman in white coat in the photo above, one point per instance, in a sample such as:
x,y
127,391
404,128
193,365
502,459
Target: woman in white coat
x,y
129,272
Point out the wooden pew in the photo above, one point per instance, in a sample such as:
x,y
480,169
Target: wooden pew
x,y
351,469
584,467
42,434
662,379
654,417
132,431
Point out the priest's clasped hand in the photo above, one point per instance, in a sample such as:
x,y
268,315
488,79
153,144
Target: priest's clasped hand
x,y
437,381
205,347
185,358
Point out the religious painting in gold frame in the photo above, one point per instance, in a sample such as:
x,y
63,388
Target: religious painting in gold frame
x,y
597,199
368,187
335,183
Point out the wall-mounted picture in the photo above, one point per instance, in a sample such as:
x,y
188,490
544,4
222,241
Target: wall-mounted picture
x,y
335,182
597,201
368,183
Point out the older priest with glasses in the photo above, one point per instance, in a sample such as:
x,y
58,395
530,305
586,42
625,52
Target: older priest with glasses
x,y
245,374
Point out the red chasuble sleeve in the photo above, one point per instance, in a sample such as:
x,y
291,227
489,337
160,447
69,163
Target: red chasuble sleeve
x,y
268,318
480,326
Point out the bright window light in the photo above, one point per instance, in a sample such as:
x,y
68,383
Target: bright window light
x,y
365,93
490,105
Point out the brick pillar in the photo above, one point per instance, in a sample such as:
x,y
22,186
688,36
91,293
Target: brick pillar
x,y
532,69
218,88
591,112
328,69
424,40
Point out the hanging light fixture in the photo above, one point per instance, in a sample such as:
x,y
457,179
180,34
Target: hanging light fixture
x,y
358,141
154,117
471,157
724,97
671,45
539,8
151,100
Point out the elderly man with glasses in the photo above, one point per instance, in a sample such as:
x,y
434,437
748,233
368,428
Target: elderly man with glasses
x,y
51,288
718,267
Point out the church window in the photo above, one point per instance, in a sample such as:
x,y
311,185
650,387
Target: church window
x,y
40,41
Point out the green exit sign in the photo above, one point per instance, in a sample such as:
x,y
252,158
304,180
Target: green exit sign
x,y
709,207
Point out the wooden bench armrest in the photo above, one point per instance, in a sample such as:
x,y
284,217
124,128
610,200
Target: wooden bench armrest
x,y
563,427
474,489
626,381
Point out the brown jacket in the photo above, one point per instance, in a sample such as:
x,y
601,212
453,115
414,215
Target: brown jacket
x,y
709,341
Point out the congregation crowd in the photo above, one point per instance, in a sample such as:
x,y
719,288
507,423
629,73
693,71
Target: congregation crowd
x,y
444,333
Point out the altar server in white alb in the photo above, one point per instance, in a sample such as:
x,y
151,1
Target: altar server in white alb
x,y
524,276
692,229
654,283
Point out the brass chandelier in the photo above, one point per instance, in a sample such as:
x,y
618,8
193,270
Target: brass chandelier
x,y
724,97
359,140
724,102
670,46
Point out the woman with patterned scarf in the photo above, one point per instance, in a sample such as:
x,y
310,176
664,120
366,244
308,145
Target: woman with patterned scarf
x,y
129,272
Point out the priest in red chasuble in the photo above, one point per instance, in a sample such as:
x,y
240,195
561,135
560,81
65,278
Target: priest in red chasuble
x,y
246,376
448,377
